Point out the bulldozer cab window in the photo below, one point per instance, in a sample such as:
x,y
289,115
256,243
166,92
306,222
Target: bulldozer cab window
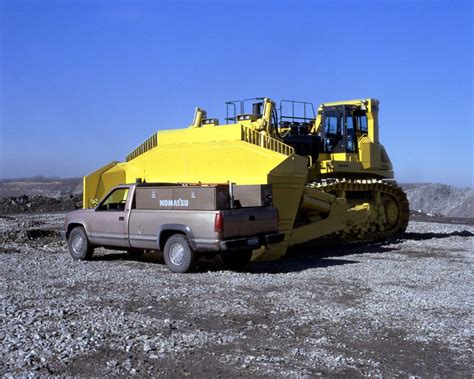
x,y
331,123
333,130
115,201
361,121
340,130
350,132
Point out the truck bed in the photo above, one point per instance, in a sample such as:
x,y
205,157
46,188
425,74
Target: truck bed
x,y
145,226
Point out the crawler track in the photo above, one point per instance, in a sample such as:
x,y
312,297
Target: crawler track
x,y
389,211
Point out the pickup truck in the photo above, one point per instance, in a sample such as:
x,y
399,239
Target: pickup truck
x,y
182,221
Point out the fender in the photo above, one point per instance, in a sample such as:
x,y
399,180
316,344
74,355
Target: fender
x,y
77,222
179,228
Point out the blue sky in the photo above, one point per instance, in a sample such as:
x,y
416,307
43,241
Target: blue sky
x,y
83,82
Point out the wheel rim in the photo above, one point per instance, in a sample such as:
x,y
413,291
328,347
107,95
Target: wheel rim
x,y
77,244
391,211
177,254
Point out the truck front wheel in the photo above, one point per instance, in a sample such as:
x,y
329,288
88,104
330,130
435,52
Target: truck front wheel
x,y
79,245
178,254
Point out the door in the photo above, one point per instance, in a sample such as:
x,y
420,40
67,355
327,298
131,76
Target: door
x,y
109,224
334,134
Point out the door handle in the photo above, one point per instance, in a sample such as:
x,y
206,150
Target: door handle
x,y
121,218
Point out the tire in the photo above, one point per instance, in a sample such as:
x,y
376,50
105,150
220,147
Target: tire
x,y
178,254
79,245
237,259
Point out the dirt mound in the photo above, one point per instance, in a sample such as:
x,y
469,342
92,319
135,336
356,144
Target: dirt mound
x,y
39,204
40,186
440,200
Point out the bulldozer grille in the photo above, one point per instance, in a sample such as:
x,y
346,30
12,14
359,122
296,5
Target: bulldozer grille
x,y
259,139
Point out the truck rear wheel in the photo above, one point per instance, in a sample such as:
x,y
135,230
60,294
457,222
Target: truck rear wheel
x,y
79,245
178,254
237,259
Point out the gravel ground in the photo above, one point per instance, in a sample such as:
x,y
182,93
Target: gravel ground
x,y
403,309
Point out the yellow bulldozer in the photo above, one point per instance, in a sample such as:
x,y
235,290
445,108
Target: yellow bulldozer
x,y
332,179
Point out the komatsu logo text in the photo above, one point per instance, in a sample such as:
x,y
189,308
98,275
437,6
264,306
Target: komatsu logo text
x,y
174,203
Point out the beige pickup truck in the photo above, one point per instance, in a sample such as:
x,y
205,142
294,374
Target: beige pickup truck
x,y
182,221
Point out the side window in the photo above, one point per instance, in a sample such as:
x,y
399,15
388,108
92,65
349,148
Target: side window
x,y
330,123
361,118
351,138
333,130
115,201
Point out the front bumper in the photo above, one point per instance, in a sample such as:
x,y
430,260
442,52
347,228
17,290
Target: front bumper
x,y
62,234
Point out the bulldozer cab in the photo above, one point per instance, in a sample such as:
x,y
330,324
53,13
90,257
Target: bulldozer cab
x,y
338,132
341,127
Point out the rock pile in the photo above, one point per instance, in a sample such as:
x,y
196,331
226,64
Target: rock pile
x,y
39,204
441,200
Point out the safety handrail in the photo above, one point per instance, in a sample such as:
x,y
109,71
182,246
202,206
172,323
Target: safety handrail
x,y
259,139
149,144
247,135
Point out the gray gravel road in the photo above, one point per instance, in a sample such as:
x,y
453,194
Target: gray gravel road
x,y
402,309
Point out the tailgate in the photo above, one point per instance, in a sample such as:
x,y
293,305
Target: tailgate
x,y
245,222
